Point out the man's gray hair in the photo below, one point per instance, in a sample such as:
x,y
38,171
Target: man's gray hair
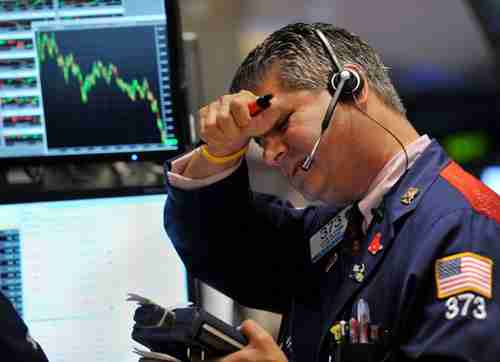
x,y
305,64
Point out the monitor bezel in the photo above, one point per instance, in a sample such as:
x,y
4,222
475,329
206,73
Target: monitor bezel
x,y
179,110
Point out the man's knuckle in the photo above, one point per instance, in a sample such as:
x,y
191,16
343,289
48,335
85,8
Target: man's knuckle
x,y
224,118
263,339
238,105
245,93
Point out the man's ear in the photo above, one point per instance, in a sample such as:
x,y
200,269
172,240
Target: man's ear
x,y
361,95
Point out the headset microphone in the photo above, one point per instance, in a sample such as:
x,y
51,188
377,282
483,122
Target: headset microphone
x,y
344,83
344,77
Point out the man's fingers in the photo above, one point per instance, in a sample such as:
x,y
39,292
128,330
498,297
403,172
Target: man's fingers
x,y
209,130
226,124
247,93
256,334
245,355
227,121
239,108
261,346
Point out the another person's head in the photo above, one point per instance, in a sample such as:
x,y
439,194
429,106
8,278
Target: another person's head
x,y
293,64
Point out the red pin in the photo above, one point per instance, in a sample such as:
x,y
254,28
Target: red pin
x,y
375,245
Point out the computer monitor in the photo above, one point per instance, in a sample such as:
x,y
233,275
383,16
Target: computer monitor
x,y
91,79
67,267
490,175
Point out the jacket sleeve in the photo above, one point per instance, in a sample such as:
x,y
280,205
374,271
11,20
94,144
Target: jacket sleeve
x,y
247,245
454,317
16,345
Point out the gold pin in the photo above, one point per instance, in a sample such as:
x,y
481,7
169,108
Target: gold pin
x,y
358,272
409,196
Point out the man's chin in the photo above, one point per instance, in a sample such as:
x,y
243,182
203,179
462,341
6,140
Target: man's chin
x,y
308,195
318,198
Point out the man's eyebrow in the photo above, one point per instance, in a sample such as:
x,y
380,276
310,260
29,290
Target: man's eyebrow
x,y
277,125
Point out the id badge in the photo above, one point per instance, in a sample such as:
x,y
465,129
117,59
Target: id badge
x,y
330,235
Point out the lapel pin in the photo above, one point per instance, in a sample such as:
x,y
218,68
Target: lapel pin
x,y
409,196
358,272
375,245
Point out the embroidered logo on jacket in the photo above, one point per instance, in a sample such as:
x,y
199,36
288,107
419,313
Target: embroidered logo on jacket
x,y
464,272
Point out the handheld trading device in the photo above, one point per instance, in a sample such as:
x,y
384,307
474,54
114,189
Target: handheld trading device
x,y
185,333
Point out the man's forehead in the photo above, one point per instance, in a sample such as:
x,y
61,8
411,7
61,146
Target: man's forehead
x,y
281,105
280,108
270,81
269,86
288,100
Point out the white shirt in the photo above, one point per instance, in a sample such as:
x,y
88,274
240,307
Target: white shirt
x,y
388,177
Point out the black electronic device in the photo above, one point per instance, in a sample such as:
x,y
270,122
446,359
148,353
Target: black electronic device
x,y
184,333
91,80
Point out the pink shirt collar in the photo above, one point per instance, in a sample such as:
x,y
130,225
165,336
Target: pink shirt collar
x,y
388,177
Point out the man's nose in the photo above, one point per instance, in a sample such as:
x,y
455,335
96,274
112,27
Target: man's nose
x,y
274,151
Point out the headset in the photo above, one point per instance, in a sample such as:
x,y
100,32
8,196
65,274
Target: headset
x,y
344,84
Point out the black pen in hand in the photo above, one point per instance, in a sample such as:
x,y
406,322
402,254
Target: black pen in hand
x,y
260,104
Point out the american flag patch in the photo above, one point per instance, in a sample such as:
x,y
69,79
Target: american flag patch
x,y
464,272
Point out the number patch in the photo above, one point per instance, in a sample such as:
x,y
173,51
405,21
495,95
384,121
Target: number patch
x,y
466,304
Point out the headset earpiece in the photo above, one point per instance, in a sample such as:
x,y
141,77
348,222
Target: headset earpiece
x,y
352,86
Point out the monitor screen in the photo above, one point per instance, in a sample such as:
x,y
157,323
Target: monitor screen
x,y
491,177
67,267
90,79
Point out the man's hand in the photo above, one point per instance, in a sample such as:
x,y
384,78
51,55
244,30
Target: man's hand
x,y
261,346
227,126
223,123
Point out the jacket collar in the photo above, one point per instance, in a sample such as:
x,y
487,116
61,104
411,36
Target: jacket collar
x,y
405,196
389,176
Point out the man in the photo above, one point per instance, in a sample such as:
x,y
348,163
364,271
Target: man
x,y
411,272
16,345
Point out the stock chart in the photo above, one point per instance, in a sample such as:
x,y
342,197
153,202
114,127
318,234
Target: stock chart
x,y
110,87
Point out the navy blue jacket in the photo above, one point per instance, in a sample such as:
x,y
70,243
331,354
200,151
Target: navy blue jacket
x,y
256,249
16,345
